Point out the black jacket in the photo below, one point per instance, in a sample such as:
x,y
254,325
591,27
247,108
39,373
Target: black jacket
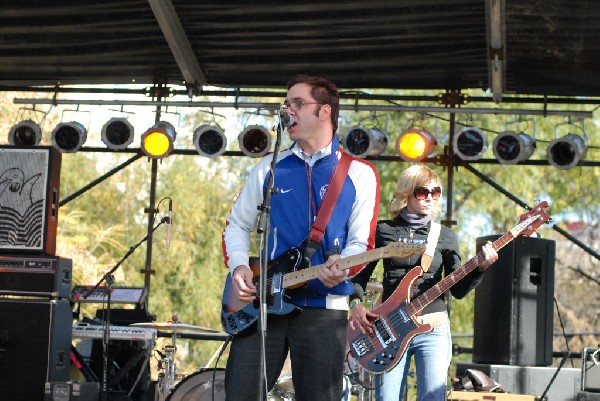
x,y
446,259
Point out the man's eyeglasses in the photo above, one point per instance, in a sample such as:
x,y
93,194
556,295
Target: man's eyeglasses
x,y
296,105
422,192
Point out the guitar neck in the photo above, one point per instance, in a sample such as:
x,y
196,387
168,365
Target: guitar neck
x,y
418,304
302,276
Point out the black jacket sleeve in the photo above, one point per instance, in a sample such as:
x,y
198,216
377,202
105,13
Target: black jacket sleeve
x,y
451,262
361,279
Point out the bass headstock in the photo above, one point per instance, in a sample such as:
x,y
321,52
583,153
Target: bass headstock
x,y
532,220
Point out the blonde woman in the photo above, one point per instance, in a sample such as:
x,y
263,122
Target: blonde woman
x,y
417,203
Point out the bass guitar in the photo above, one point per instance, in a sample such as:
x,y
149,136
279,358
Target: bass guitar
x,y
396,323
284,273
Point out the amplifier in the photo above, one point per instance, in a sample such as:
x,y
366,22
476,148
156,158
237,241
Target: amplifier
x,y
35,341
29,194
44,276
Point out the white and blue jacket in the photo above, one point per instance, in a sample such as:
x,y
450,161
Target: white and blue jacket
x,y
301,181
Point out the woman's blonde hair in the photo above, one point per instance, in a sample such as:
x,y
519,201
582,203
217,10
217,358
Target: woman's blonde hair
x,y
417,175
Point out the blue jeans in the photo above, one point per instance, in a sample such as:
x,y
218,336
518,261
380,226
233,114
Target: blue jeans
x,y
432,353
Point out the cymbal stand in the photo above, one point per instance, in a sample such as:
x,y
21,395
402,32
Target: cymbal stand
x,y
166,379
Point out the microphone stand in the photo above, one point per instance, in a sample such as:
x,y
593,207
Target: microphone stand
x,y
109,279
263,228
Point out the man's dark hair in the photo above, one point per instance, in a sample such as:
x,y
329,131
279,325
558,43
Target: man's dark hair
x,y
323,90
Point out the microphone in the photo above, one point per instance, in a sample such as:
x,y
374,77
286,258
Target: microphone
x,y
169,224
286,118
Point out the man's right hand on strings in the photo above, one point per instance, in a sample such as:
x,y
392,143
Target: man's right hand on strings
x,y
241,280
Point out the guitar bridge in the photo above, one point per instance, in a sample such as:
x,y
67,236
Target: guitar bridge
x,y
362,346
383,332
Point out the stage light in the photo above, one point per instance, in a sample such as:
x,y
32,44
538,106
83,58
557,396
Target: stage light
x,y
26,133
415,144
69,137
255,141
512,147
362,142
566,152
157,141
117,133
470,143
209,141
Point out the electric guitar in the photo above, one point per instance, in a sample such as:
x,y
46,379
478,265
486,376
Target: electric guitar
x,y
284,273
396,325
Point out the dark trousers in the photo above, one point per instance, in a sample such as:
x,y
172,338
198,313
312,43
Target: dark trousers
x,y
316,340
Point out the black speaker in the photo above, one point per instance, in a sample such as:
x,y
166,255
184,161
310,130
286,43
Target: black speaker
x,y
514,305
35,343
29,190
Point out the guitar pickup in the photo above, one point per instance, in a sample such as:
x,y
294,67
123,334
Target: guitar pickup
x,y
276,283
383,332
403,315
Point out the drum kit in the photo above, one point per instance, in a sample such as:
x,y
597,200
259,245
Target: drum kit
x,y
203,385
209,384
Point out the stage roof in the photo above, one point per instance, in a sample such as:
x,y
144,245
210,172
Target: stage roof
x,y
548,47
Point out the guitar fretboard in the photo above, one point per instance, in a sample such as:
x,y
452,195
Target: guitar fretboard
x,y
400,250
418,304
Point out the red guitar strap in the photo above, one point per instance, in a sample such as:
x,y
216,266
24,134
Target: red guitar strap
x,y
326,209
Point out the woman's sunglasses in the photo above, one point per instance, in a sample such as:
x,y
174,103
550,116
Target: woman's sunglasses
x,y
422,192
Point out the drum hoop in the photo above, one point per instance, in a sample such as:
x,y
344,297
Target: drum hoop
x,y
190,381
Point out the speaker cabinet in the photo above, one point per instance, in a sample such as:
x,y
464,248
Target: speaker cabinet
x,y
514,305
29,190
35,343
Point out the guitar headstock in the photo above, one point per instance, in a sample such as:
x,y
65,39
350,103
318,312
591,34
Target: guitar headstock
x,y
532,220
404,249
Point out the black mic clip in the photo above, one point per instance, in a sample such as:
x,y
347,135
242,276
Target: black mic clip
x,y
285,118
